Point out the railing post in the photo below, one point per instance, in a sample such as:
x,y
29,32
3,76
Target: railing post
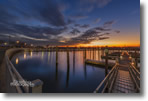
x,y
106,68
37,88
135,59
117,60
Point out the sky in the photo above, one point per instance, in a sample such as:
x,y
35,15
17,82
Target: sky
x,y
71,22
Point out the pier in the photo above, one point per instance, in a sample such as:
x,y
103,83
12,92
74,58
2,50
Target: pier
x,y
123,78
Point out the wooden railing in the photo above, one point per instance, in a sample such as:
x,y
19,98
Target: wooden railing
x,y
135,75
107,84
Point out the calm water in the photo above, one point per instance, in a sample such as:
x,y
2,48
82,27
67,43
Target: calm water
x,y
74,76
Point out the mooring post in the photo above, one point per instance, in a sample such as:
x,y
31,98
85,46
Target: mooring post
x,y
98,53
135,59
37,86
90,52
85,54
56,55
74,61
106,61
68,68
56,63
93,53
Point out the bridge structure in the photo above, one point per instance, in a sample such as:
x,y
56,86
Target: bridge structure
x,y
124,77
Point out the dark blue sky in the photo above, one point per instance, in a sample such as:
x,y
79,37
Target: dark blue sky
x,y
70,22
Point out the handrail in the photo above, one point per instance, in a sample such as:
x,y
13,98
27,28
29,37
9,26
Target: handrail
x,y
135,74
107,79
15,76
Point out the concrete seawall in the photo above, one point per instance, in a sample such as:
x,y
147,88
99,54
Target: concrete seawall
x,y
5,77
9,74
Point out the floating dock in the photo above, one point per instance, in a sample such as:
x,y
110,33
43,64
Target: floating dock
x,y
99,63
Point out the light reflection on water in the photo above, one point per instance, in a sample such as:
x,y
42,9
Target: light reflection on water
x,y
67,75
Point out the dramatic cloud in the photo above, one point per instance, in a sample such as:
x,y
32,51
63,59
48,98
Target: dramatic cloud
x,y
75,31
82,26
49,21
103,38
109,23
30,30
102,29
46,12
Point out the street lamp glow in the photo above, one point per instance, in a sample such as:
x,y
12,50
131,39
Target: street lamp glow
x,y
17,42
5,43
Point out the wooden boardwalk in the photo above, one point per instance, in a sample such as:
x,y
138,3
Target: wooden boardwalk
x,y
123,78
123,82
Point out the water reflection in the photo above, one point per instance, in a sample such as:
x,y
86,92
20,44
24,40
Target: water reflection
x,y
56,64
31,53
73,61
60,71
24,55
42,54
17,60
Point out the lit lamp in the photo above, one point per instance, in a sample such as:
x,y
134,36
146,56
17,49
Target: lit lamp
x,y
17,42
133,60
5,43
121,57
130,57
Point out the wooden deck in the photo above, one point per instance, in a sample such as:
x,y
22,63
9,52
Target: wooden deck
x,y
99,63
127,78
123,82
